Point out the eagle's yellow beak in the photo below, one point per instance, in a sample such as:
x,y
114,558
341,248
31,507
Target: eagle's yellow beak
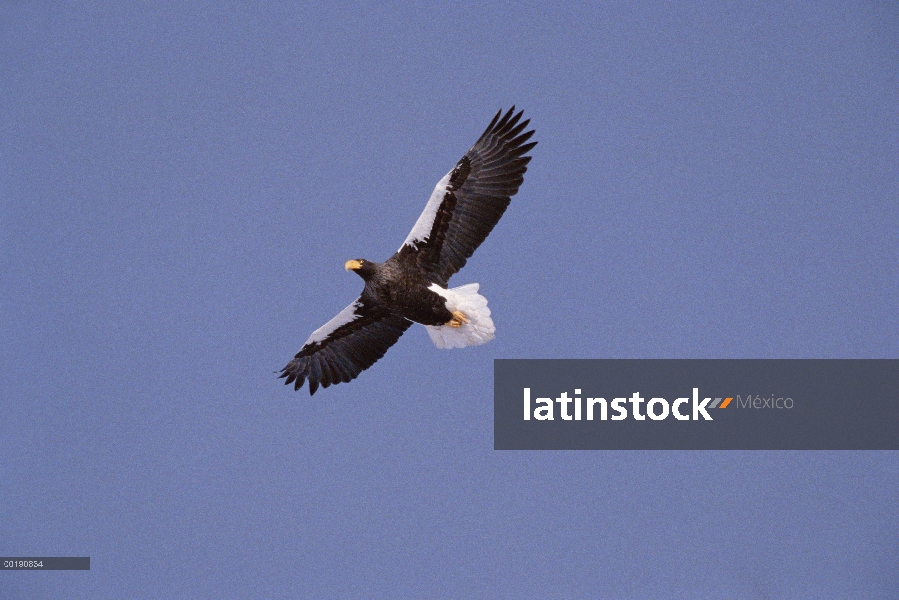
x,y
352,264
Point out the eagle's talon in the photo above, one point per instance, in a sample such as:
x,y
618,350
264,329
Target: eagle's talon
x,y
457,320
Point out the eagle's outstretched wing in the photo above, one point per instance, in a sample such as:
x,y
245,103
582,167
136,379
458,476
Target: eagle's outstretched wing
x,y
345,346
468,202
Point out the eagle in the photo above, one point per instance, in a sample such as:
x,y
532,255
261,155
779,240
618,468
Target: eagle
x,y
412,285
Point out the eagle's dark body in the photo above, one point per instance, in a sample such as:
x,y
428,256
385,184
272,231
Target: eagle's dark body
x,y
411,286
403,291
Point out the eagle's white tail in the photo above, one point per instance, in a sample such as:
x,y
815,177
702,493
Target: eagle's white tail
x,y
478,330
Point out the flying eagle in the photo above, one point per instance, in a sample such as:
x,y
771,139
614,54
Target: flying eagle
x,y
411,286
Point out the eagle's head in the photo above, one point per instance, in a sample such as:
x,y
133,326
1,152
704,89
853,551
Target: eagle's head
x,y
363,268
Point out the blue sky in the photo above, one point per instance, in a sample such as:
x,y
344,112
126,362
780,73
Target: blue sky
x,y
180,186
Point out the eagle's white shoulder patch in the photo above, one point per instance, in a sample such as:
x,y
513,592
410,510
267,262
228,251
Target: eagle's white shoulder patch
x,y
424,223
347,315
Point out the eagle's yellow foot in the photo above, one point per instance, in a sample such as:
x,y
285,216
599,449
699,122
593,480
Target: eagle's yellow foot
x,y
457,320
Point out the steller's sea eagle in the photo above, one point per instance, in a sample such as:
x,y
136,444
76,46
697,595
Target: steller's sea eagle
x,y
411,286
